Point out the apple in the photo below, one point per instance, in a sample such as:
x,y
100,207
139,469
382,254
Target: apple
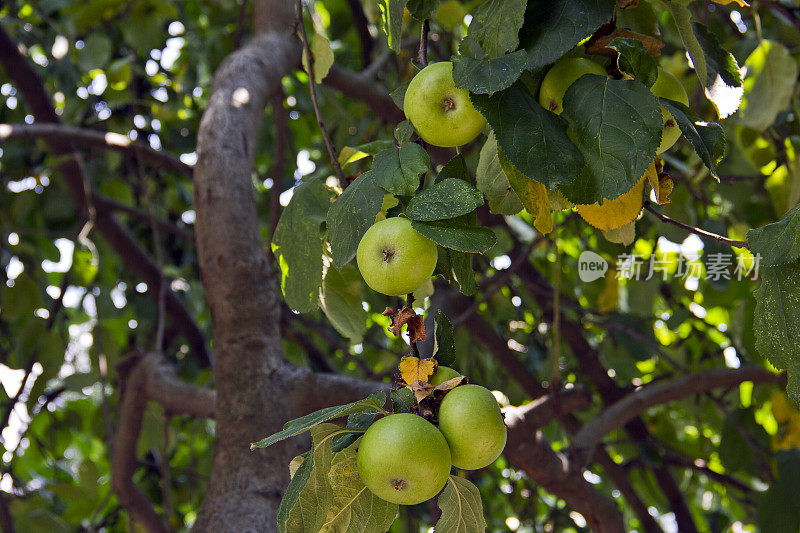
x,y
471,422
442,374
394,258
441,113
404,459
670,87
561,75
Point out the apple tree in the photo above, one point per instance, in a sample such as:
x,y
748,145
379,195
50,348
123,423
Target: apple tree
x,y
393,265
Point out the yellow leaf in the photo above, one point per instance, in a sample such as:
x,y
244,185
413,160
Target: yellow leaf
x,y
294,465
616,213
532,194
607,301
415,369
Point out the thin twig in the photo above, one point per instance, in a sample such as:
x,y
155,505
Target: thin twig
x,y
312,89
696,231
165,481
410,305
422,55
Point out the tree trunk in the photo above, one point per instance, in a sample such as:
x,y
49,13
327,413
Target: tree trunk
x,y
253,381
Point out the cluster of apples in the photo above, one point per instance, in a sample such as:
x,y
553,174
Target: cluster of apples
x,y
393,258
405,459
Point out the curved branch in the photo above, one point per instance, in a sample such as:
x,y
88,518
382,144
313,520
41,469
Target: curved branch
x,y
697,231
635,403
364,88
84,136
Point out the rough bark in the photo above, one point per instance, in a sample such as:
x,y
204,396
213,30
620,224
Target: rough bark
x,y
254,383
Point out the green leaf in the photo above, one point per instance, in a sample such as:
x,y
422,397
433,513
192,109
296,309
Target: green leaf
x,y
308,498
493,183
777,321
487,76
444,347
734,452
768,86
397,169
553,27
402,400
462,271
85,264
778,506
96,52
635,60
462,509
422,9
355,509
530,135
399,95
322,54
495,25
297,244
20,300
371,404
404,132
340,300
455,168
392,21
617,125
707,138
357,421
447,199
779,242
351,215
457,236
716,68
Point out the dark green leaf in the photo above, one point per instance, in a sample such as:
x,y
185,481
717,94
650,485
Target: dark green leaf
x,y
351,215
777,321
495,25
462,238
404,132
487,76
402,400
708,138
552,27
444,340
530,135
734,451
399,94
635,60
779,242
462,271
297,244
617,125
421,9
371,404
447,199
397,169
455,168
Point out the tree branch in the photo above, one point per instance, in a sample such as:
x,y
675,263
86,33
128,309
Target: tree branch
x,y
123,460
364,89
635,403
83,136
697,231
106,203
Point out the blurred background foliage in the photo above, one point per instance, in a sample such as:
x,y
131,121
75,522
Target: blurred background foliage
x,y
71,310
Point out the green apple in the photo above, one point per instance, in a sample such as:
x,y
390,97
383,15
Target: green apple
x,y
561,75
442,374
670,87
403,459
441,113
470,420
393,258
